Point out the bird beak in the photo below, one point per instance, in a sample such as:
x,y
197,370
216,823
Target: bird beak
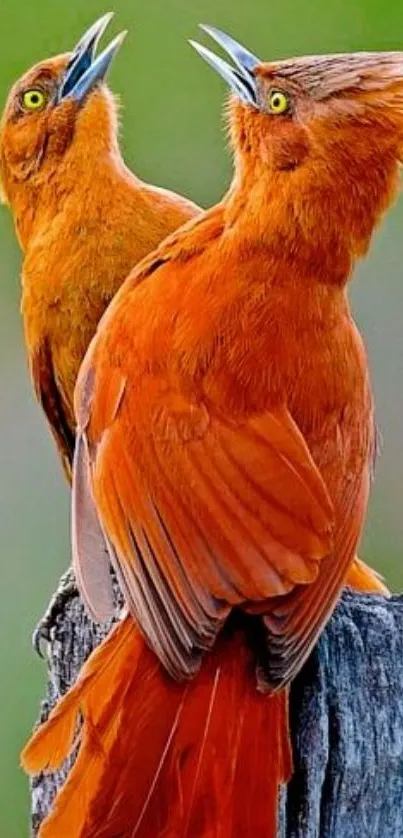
x,y
84,70
240,78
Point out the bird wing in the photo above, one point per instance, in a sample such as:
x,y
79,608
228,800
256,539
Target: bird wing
x,y
295,621
49,396
200,514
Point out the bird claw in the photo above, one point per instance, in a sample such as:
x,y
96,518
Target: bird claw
x,y
67,590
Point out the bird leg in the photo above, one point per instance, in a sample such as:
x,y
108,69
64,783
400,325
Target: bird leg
x,y
66,590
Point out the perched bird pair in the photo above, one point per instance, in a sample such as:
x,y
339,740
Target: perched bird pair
x,y
223,430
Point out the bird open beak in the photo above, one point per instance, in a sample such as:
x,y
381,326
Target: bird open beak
x,y
240,78
85,70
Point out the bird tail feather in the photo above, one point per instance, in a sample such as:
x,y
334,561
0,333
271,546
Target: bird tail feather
x,y
163,759
362,578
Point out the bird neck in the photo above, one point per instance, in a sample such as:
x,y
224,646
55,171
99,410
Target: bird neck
x,y
315,222
75,183
78,167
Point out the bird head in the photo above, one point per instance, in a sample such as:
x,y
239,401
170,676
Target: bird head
x,y
324,132
52,105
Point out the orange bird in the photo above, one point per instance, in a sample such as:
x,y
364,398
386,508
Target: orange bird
x,y
82,218
224,449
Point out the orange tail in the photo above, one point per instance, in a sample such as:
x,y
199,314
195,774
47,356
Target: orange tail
x,y
362,578
158,758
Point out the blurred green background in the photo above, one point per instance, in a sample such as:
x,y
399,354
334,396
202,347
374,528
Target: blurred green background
x,y
172,134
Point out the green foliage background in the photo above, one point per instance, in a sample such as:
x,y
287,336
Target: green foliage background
x,y
172,134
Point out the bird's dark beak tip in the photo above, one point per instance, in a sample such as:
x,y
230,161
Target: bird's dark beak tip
x,y
240,78
85,70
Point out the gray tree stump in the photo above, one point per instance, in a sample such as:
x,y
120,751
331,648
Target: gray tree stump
x,y
346,719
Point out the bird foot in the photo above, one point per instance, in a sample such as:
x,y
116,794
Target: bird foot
x,y
67,590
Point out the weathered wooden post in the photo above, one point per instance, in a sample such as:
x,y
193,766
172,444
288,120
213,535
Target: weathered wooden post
x,y
346,717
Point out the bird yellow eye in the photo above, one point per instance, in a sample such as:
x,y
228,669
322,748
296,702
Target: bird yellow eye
x,y
33,100
279,102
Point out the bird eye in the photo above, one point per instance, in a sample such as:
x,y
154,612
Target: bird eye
x,y
33,100
279,102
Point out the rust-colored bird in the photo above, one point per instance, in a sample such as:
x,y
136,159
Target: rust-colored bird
x,y
82,218
224,449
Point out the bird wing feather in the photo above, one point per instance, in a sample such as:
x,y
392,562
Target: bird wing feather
x,y
49,396
201,514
